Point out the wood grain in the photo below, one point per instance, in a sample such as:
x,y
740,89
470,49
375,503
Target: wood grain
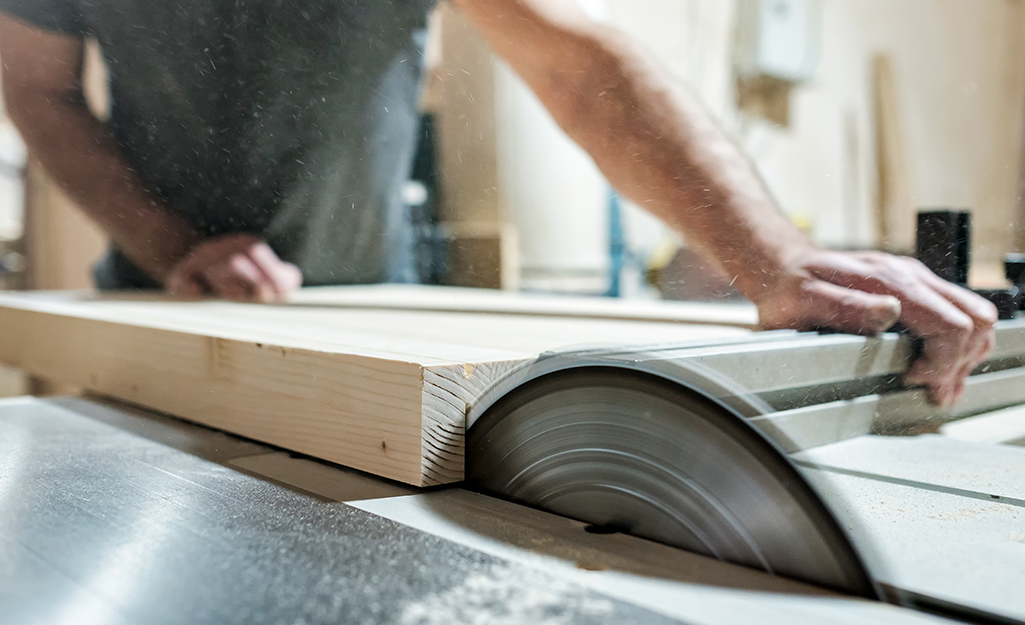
x,y
377,388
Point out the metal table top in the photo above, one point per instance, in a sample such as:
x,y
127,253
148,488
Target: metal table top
x,y
109,515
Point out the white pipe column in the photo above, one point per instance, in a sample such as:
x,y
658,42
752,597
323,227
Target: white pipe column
x,y
551,190
12,196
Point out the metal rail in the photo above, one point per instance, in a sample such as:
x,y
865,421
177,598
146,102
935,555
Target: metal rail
x,y
827,388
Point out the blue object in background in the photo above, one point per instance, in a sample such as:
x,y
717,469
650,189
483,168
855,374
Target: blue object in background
x,y
620,256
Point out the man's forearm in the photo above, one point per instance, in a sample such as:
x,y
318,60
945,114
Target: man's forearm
x,y
651,138
659,147
79,153
42,87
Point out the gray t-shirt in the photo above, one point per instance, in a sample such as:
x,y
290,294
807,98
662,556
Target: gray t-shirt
x,y
288,118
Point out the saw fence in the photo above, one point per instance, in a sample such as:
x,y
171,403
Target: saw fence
x,y
380,379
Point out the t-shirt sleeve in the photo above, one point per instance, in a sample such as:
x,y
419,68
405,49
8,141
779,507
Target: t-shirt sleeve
x,y
62,16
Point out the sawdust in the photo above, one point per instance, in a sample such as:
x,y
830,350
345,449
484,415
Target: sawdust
x,y
967,514
504,596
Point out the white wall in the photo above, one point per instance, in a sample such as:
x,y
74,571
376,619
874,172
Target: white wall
x,y
552,192
960,69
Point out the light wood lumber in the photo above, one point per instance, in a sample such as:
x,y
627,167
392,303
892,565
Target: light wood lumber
x,y
384,390
62,242
415,297
895,205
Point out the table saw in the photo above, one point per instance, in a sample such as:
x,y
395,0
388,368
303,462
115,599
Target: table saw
x,y
838,495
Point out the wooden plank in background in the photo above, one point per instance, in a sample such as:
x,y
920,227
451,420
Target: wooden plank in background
x,y
895,209
383,391
62,242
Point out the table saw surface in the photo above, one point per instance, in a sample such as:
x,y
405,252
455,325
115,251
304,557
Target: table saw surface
x,y
113,515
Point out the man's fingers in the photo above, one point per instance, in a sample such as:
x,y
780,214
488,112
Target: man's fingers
x,y
984,313
864,293
947,332
986,346
186,287
190,289
238,267
941,392
941,381
927,313
291,277
186,283
956,324
959,387
281,276
238,278
824,305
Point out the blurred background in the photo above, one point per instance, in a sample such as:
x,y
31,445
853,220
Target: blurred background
x,y
856,112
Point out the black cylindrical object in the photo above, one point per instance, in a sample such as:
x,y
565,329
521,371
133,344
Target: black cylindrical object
x,y
1014,269
944,246
944,243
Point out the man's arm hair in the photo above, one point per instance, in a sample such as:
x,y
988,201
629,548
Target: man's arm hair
x,y
42,87
648,134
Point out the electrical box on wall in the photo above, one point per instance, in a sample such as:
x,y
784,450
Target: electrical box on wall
x,y
779,38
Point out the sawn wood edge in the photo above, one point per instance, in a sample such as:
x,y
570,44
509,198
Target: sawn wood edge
x,y
310,402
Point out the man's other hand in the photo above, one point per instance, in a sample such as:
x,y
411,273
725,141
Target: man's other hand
x,y
238,267
867,293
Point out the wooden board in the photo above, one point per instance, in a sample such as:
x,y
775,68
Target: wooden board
x,y
895,210
378,388
425,298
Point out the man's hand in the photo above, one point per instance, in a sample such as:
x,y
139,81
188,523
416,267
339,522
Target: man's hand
x,y
867,293
238,267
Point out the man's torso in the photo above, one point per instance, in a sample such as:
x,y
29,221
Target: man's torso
x,y
288,118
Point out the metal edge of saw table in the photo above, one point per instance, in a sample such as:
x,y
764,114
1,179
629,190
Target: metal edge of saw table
x,y
809,375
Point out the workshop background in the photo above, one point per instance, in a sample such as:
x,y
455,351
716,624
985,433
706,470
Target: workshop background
x,y
857,113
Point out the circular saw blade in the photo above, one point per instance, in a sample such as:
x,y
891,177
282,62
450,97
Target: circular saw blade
x,y
644,455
